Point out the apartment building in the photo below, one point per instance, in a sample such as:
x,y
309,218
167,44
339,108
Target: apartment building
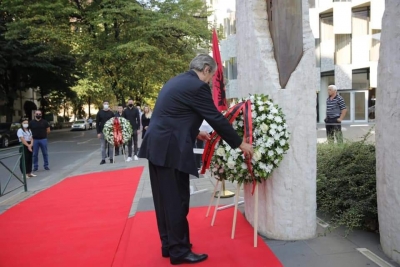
x,y
347,52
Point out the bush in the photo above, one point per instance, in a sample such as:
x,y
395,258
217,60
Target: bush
x,y
346,184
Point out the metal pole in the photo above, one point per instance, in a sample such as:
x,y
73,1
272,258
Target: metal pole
x,y
23,166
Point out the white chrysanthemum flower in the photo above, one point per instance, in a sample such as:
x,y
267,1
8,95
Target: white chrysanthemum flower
x,y
277,136
279,150
270,153
278,119
220,151
261,108
274,110
231,163
276,161
280,128
270,116
273,126
264,128
282,142
244,165
253,107
259,102
254,114
272,132
257,155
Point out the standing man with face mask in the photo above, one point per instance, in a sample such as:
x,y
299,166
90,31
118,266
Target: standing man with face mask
x,y
132,114
102,117
40,129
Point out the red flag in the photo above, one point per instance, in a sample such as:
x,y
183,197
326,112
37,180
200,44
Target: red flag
x,y
218,85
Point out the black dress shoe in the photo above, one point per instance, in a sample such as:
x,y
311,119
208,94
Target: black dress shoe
x,y
102,162
111,161
189,258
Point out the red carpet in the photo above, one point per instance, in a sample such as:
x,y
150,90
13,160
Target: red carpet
x,y
144,250
78,222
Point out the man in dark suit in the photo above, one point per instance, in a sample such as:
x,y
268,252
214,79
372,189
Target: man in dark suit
x,y
182,104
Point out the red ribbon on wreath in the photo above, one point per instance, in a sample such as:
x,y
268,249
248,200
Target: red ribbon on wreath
x,y
117,130
231,115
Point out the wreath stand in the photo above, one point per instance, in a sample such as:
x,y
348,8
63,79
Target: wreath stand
x,y
123,152
255,235
221,183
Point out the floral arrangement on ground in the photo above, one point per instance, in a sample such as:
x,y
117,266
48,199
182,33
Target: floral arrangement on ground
x,y
270,142
117,130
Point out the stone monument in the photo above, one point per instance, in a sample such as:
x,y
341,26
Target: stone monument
x,y
387,132
282,65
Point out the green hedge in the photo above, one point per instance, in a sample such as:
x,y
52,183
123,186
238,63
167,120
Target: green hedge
x,y
346,184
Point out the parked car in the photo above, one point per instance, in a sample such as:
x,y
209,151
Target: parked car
x,y
8,133
55,125
80,125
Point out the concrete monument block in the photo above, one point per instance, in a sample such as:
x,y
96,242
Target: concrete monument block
x,y
387,132
287,201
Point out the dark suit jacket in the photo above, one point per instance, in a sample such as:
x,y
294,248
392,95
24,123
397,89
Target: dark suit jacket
x,y
182,104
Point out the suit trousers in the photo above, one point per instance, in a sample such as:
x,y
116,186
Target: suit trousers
x,y
135,144
171,196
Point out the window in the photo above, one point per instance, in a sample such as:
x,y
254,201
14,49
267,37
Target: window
x,y
327,28
360,22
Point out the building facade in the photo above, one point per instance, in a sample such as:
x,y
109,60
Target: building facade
x,y
347,34
27,101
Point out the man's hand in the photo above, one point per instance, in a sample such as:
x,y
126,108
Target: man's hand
x,y
99,136
204,136
247,149
339,120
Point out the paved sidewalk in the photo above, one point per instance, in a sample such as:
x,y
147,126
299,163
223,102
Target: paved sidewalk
x,y
327,249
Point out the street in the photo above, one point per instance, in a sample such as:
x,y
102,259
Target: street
x,y
67,150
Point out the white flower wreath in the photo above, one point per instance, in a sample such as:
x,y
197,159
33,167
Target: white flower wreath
x,y
270,142
125,128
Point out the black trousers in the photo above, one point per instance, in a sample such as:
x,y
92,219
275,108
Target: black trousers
x,y
171,196
135,144
333,129
28,160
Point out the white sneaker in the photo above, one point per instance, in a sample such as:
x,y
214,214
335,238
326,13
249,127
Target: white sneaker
x,y
135,158
33,175
128,159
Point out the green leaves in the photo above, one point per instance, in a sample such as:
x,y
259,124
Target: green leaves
x,y
346,184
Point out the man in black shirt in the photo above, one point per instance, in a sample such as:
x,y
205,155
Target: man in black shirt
x,y
102,117
40,128
131,113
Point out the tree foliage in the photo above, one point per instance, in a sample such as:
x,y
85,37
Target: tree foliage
x,y
91,50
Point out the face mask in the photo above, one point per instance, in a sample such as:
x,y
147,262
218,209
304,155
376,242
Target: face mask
x,y
130,105
38,116
105,106
25,125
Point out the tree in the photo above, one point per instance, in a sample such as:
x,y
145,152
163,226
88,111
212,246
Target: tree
x,y
29,59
